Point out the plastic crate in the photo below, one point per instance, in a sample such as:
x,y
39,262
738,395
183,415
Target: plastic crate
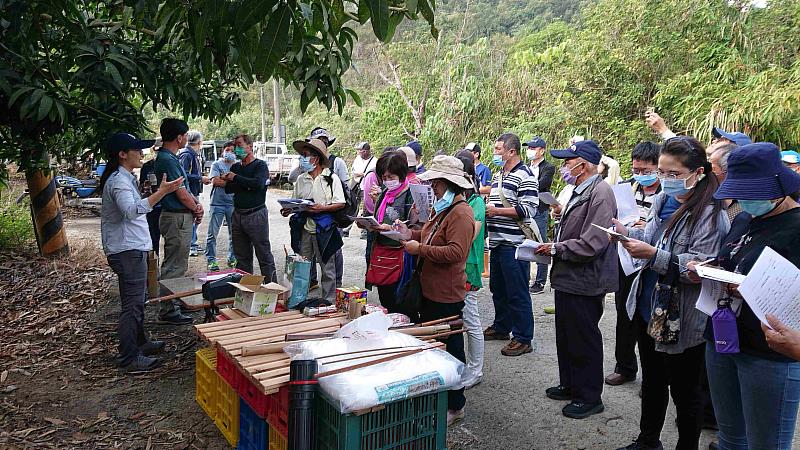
x,y
419,423
252,395
227,370
253,430
205,380
278,414
227,419
277,441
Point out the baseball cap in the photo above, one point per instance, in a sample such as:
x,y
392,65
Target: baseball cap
x,y
416,146
535,142
362,146
736,137
319,132
790,156
126,141
411,156
588,150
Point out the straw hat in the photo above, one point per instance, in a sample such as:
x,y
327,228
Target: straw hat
x,y
313,145
449,168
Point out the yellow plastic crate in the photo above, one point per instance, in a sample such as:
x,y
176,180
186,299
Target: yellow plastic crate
x,y
276,440
227,418
205,380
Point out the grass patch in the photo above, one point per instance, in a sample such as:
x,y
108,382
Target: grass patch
x,y
16,228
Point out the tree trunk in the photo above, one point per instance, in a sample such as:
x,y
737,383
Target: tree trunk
x,y
46,213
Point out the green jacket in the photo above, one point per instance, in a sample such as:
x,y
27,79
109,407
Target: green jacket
x,y
475,257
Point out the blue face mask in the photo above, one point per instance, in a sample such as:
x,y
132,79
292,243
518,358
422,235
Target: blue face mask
x,y
497,160
305,164
675,188
444,202
756,207
646,180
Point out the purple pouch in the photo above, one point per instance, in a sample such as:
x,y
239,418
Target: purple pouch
x,y
726,334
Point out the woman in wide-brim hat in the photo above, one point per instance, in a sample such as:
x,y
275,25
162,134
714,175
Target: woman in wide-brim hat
x,y
756,391
442,247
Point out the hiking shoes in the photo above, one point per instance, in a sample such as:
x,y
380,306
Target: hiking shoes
x,y
516,348
580,410
490,334
141,364
559,393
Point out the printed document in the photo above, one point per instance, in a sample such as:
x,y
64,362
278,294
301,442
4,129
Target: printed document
x,y
773,287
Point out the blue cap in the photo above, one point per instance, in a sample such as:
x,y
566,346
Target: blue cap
x,y
736,137
126,141
535,142
755,172
416,146
790,156
587,150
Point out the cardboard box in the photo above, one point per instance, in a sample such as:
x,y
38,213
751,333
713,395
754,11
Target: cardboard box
x,y
256,299
345,294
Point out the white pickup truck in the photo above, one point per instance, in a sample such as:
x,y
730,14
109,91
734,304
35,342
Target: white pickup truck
x,y
280,160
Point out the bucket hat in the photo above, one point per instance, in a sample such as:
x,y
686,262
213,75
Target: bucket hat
x,y
313,145
755,172
449,168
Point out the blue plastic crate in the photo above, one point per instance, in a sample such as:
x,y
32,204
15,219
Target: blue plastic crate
x,y
253,430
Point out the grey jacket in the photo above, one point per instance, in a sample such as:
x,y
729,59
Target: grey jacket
x,y
697,242
586,260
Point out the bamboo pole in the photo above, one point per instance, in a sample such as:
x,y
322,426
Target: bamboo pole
x,y
370,363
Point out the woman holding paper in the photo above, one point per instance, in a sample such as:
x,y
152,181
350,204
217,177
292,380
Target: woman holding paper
x,y
685,224
755,389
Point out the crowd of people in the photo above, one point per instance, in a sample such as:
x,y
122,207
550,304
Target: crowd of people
x,y
717,205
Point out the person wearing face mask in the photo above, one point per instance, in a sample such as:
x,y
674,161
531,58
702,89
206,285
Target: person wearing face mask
x,y
756,391
685,224
180,210
544,172
319,238
584,271
221,208
393,203
645,184
442,247
510,210
719,165
791,159
247,181
190,160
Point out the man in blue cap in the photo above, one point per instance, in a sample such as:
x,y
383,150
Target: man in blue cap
x,y
584,271
543,171
127,242
417,147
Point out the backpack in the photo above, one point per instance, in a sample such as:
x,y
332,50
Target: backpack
x,y
344,216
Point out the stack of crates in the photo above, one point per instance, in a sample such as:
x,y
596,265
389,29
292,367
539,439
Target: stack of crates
x,y
215,396
253,430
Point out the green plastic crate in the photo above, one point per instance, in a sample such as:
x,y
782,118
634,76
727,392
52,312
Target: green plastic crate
x,y
419,423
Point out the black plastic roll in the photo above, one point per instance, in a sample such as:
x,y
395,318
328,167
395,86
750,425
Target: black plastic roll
x,y
302,389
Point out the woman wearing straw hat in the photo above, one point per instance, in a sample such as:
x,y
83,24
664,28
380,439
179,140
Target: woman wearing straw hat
x,y
755,390
442,247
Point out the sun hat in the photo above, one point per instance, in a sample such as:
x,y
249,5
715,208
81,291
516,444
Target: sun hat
x,y
587,150
755,172
734,136
313,145
410,156
449,168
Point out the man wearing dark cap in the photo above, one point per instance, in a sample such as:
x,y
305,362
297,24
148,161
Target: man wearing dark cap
x,y
584,270
417,147
180,210
127,242
544,172
482,172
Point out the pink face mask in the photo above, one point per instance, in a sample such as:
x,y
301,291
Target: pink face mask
x,y
567,176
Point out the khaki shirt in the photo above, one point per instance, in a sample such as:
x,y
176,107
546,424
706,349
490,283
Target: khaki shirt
x,y
319,191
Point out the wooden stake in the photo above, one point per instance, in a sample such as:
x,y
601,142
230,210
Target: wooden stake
x,y
438,321
174,296
370,363
382,353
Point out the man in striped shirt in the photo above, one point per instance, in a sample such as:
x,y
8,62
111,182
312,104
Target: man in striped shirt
x,y
514,198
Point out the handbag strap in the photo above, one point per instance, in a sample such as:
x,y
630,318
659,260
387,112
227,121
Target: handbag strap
x,y
530,232
418,269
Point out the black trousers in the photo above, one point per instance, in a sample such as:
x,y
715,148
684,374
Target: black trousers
x,y
251,232
579,345
152,224
625,345
431,310
664,375
131,269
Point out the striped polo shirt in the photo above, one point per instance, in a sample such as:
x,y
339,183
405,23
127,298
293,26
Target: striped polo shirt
x,y
521,189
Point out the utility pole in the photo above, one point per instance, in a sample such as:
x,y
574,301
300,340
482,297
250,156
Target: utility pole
x,y
276,108
263,121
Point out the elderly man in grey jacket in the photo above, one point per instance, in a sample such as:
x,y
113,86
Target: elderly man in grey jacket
x,y
584,270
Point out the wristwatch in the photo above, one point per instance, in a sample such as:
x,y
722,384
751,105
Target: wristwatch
x,y
553,249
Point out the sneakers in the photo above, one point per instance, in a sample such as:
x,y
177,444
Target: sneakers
x,y
141,364
193,252
559,393
639,446
516,348
616,379
453,417
152,348
470,380
580,410
213,267
536,288
490,334
176,319
232,263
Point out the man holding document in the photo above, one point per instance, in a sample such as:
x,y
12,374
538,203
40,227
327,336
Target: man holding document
x,y
584,270
755,389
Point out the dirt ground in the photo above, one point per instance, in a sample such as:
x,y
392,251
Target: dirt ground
x,y
59,387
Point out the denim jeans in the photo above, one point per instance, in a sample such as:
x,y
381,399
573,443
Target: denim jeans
x,y
755,399
508,281
472,321
541,222
131,269
217,214
193,245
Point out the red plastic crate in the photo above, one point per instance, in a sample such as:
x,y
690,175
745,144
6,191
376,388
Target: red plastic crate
x,y
252,395
227,370
278,414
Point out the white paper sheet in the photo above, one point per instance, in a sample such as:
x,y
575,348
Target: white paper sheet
x,y
621,237
423,199
773,287
392,234
710,293
627,210
629,263
546,197
525,252
716,274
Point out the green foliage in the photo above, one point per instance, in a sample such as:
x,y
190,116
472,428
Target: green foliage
x,y
16,229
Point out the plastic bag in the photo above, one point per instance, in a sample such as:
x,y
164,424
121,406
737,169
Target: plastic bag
x,y
298,270
371,326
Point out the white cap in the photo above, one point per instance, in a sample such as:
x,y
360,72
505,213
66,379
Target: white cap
x,y
410,156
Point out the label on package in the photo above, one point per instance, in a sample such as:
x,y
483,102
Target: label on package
x,y
411,387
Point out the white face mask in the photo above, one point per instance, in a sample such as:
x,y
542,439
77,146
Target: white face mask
x,y
532,154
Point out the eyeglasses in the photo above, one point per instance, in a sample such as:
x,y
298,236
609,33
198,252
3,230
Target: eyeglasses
x,y
647,173
672,176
